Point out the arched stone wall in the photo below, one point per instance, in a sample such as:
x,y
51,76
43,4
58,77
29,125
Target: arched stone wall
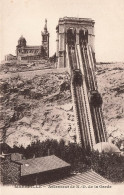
x,y
76,24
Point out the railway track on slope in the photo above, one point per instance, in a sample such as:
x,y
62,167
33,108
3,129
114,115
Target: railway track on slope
x,y
82,117
80,103
96,112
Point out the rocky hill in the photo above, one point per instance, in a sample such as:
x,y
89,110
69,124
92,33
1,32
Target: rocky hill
x,y
36,105
110,78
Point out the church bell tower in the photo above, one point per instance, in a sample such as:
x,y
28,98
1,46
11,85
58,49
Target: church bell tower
x,y
45,39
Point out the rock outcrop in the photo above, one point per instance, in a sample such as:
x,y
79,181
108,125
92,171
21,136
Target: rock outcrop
x,y
36,105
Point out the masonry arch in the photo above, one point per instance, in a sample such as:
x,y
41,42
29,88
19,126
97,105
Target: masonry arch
x,y
83,37
71,36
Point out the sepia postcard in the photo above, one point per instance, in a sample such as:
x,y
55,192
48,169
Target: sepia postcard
x,y
61,97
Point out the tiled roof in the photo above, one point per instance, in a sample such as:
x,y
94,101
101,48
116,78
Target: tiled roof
x,y
33,47
42,164
28,54
73,19
88,177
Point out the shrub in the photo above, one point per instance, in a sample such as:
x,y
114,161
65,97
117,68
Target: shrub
x,y
109,166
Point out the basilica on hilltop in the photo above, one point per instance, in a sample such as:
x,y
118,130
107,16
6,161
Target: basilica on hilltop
x,y
29,52
26,52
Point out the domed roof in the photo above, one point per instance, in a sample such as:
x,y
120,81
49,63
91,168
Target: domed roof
x,y
22,38
106,147
22,41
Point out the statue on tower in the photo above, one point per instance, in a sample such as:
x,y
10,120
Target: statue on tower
x,y
45,39
45,26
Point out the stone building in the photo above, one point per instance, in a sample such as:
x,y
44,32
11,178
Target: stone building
x,y
10,57
81,27
30,53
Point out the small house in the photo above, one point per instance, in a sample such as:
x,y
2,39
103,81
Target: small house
x,y
32,171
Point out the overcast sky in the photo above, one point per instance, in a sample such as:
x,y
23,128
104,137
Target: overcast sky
x,y
26,17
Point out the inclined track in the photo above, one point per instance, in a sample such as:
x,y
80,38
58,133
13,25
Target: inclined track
x,y
90,121
96,112
83,122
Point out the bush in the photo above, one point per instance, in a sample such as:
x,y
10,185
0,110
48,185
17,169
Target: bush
x,y
109,166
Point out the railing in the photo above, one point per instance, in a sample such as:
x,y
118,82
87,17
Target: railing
x,y
97,115
90,130
80,99
90,126
70,66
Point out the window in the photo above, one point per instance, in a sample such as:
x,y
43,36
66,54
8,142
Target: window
x,y
45,38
